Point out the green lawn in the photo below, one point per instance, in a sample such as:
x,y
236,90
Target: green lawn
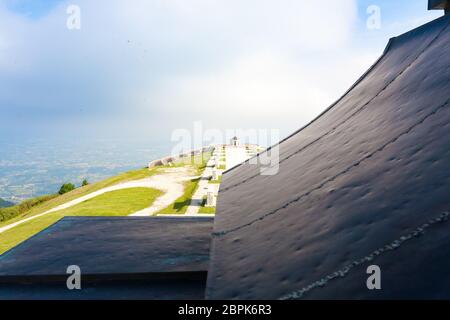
x,y
25,206
127,176
115,203
207,210
216,181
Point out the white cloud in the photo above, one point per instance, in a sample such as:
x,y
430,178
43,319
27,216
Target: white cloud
x,y
259,84
284,61
260,87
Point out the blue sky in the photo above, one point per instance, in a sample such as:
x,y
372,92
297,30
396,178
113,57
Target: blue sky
x,y
32,9
149,68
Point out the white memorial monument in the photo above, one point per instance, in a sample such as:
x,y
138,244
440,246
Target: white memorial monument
x,y
235,142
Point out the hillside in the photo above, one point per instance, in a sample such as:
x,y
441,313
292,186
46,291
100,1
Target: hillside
x,y
172,186
144,191
5,204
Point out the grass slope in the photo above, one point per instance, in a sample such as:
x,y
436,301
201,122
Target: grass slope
x,y
16,210
121,203
4,203
127,176
115,203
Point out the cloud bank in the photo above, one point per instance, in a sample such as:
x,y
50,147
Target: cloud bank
x,y
149,67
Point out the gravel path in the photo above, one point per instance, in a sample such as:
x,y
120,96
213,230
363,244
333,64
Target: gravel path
x,y
170,181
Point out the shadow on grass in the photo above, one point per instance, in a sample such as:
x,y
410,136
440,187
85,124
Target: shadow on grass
x,y
178,206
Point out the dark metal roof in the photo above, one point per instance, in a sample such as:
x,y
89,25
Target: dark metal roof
x,y
438,4
164,287
367,182
113,245
119,257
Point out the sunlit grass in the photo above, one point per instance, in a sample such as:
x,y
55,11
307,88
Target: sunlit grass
x,y
79,192
115,203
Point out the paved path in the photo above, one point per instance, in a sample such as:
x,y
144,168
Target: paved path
x,y
170,182
202,190
233,156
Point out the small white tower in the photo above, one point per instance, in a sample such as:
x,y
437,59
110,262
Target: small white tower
x,y
235,142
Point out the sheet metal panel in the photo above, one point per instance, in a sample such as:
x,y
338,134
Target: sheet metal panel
x,y
113,245
368,172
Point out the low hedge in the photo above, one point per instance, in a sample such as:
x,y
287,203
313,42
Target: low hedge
x,y
12,212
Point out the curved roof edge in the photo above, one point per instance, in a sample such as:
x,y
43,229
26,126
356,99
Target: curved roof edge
x,y
388,47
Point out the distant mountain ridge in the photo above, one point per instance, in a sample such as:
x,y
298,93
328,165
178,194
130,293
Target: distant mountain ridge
x,y
4,203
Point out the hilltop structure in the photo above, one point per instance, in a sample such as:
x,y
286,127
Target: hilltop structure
x,y
235,142
362,187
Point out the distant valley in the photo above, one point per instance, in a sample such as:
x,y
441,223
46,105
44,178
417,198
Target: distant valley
x,y
33,168
4,203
